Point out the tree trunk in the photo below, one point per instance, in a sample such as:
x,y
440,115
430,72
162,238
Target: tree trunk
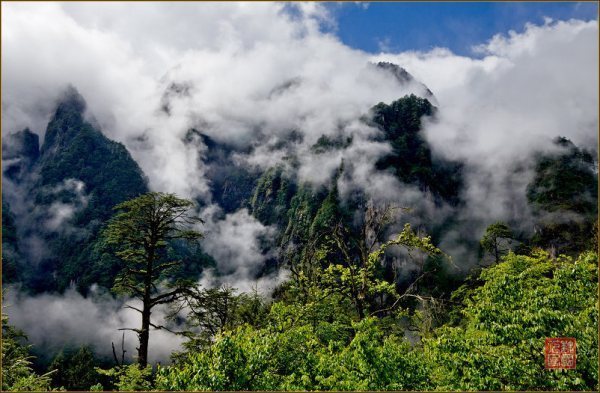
x,y
361,312
496,252
144,336
145,331
360,308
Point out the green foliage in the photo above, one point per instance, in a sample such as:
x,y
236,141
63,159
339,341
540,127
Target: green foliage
x,y
494,238
313,343
303,214
373,361
213,311
565,180
499,342
363,283
235,362
496,343
128,378
296,358
272,196
328,215
402,116
74,370
339,322
17,372
110,173
141,232
329,314
303,209
325,144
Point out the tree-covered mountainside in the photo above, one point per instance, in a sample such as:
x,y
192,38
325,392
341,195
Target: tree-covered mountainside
x,y
411,159
369,300
12,266
232,185
68,189
74,149
564,196
307,215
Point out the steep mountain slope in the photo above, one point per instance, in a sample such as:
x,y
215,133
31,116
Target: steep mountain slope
x,y
411,159
564,196
405,78
65,192
57,198
231,183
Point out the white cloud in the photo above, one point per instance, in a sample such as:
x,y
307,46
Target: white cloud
x,y
240,245
250,75
496,111
60,212
237,60
71,320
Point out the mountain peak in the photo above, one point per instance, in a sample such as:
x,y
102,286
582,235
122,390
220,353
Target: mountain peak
x,y
67,121
400,73
404,77
71,100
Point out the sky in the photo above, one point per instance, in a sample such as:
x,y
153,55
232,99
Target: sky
x,y
422,26
251,74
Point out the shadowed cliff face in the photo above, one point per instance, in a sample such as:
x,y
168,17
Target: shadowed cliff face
x,y
20,151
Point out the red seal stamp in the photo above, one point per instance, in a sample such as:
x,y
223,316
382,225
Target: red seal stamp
x,y
560,353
